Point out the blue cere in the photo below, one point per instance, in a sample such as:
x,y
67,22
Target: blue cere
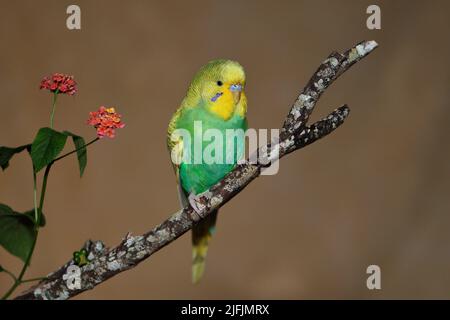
x,y
235,87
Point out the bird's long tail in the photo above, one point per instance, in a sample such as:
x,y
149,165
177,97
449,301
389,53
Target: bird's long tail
x,y
201,235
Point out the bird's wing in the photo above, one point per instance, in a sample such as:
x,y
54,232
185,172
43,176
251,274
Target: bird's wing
x,y
175,146
171,128
203,231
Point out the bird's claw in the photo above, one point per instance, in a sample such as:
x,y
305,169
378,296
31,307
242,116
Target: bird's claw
x,y
196,204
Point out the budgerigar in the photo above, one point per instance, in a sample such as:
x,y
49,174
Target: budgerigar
x,y
216,100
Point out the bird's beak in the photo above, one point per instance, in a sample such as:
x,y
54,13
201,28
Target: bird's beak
x,y
236,90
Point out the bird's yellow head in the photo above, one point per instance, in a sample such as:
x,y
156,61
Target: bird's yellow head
x,y
220,86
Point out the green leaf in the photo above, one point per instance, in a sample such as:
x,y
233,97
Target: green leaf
x,y
46,147
7,153
81,152
17,232
4,209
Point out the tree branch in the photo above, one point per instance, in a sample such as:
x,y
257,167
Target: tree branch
x,y
105,263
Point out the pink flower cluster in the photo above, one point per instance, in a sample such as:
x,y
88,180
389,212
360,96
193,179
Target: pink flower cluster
x,y
105,120
60,83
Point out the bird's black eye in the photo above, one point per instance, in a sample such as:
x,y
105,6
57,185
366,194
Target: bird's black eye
x,y
219,83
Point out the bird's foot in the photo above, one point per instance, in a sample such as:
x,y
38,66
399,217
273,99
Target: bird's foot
x,y
196,203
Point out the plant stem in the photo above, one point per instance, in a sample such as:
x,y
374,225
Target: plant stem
x,y
73,151
36,213
34,279
12,275
43,190
55,95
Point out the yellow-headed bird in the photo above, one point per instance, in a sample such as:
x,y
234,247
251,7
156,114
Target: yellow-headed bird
x,y
216,101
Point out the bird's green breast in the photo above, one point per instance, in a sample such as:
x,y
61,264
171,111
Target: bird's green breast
x,y
222,145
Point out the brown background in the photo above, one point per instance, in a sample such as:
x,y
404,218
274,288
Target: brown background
x,y
374,192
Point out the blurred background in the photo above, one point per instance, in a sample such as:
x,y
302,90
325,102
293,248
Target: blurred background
x,y
376,191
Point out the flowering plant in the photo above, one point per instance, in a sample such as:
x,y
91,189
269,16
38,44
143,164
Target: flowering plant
x,y
19,230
